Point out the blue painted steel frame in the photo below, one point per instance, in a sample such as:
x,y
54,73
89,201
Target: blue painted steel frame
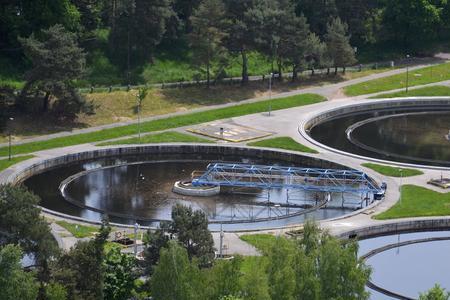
x,y
272,177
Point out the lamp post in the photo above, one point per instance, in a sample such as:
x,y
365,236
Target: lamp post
x,y
401,182
9,140
407,72
270,93
139,119
136,227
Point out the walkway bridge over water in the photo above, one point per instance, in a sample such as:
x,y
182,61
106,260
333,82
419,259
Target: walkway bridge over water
x,y
290,178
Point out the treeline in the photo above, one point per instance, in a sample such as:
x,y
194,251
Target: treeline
x,y
121,36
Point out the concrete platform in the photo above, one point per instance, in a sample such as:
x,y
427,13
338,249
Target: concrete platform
x,y
229,131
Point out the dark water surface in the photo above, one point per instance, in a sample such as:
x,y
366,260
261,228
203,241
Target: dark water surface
x,y
143,192
405,136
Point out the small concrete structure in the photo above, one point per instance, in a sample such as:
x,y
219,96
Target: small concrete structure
x,y
228,131
187,189
441,182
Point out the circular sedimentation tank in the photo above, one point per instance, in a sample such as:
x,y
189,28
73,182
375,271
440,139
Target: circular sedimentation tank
x,y
136,184
406,264
413,132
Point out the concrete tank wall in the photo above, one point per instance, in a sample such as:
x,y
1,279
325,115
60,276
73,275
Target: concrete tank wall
x,y
168,152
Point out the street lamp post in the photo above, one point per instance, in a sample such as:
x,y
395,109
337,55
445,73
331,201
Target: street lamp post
x,y
407,73
139,100
270,93
401,182
9,140
136,227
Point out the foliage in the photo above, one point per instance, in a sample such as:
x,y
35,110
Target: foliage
x,y
163,137
57,61
82,270
207,34
418,201
420,76
191,230
316,266
166,123
435,293
392,171
175,277
15,283
339,49
55,291
6,163
408,20
281,276
22,224
286,143
119,275
226,278
154,241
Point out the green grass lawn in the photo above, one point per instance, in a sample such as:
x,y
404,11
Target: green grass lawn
x,y
418,202
163,137
262,242
430,91
286,143
392,171
5,163
77,230
416,77
167,123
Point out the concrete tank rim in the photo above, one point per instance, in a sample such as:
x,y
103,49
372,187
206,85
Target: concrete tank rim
x,y
103,152
305,123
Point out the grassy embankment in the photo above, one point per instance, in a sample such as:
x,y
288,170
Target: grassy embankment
x,y
416,77
392,171
6,163
430,91
166,123
418,201
285,143
163,137
120,106
77,230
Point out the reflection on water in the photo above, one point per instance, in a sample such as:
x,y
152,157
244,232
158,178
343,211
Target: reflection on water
x,y
409,270
413,138
144,192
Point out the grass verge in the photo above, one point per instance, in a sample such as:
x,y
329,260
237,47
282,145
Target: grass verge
x,y
416,77
163,137
77,230
6,163
262,242
167,123
392,171
286,143
429,91
418,201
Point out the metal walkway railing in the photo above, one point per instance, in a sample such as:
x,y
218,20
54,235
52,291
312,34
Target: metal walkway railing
x,y
276,177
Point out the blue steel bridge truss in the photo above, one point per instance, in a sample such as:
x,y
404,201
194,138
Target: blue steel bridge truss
x,y
291,178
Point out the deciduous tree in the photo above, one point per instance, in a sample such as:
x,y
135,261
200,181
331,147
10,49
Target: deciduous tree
x,y
15,283
175,277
